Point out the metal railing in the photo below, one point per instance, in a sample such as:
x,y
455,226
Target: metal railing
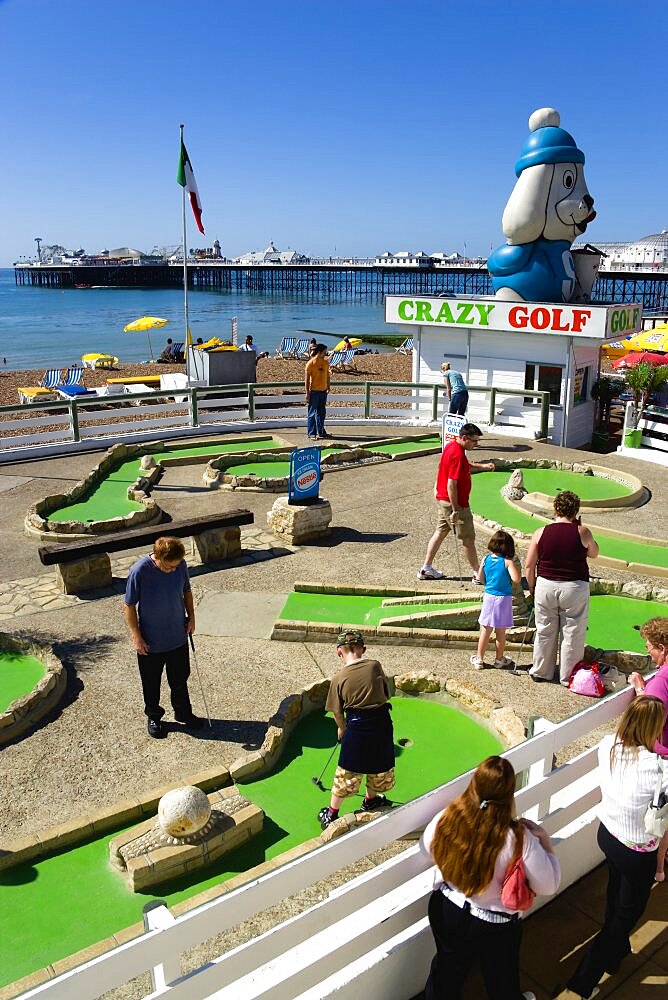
x,y
51,427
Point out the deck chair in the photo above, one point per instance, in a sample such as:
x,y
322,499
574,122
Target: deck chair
x,y
336,359
347,362
71,387
177,352
286,348
406,347
44,390
301,350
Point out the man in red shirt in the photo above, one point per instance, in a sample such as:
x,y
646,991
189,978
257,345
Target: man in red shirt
x,y
452,490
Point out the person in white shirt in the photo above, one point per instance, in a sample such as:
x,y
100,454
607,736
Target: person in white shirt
x,y
248,345
628,769
473,842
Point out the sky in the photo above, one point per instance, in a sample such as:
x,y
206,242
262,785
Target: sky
x,y
344,128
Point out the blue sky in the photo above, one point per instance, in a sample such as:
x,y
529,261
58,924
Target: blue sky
x,y
351,127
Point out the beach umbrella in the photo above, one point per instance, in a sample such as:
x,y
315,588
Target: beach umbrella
x,y
637,356
616,349
650,340
145,323
341,346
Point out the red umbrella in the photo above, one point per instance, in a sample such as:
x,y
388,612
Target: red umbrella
x,y
635,357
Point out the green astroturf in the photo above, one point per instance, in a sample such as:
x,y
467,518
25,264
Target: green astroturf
x,y
487,501
406,446
67,902
350,609
109,498
611,621
18,676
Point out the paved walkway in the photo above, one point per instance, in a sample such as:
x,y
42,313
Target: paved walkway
x,y
383,516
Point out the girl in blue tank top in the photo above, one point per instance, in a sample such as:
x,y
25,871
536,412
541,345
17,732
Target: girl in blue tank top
x,y
498,573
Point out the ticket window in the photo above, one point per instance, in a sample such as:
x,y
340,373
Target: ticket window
x,y
543,378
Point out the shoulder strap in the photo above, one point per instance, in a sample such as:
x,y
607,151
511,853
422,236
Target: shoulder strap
x,y
661,766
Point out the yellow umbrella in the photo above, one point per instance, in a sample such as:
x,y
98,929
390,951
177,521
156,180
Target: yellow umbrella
x,y
616,349
650,340
341,346
146,323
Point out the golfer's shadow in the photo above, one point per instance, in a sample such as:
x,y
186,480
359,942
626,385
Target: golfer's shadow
x,y
248,734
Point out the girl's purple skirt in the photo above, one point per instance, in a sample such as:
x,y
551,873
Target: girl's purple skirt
x,y
497,612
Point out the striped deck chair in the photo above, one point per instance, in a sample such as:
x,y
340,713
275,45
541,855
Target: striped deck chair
x,y
336,359
51,378
72,376
406,347
44,391
71,387
177,352
347,362
286,348
301,350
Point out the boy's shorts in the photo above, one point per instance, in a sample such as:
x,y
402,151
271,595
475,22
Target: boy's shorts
x,y
347,783
465,525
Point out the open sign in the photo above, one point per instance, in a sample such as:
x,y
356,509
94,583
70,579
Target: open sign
x,y
304,475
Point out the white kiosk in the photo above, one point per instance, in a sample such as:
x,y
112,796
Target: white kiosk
x,y
516,345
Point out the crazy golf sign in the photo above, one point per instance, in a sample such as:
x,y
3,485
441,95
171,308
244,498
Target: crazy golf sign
x,y
590,321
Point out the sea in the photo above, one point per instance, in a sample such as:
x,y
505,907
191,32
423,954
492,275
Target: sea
x,y
53,327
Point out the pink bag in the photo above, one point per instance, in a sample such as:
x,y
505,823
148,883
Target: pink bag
x,y
516,893
586,679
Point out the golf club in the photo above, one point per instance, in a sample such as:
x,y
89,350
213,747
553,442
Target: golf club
x,y
516,669
318,781
199,678
459,563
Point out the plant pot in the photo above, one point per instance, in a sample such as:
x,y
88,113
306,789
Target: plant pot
x,y
632,439
599,442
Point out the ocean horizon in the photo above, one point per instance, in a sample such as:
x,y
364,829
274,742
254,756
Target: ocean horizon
x,y
53,327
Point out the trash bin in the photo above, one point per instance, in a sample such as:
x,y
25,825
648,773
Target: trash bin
x,y
599,442
632,439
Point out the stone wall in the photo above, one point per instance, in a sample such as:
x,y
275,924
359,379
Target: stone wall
x,y
23,713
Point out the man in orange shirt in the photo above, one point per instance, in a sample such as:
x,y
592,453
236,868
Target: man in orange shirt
x,y
316,386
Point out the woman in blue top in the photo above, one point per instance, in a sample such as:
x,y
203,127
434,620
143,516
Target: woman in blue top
x,y
498,572
455,386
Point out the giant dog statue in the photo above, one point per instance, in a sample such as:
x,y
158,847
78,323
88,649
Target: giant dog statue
x,y
549,206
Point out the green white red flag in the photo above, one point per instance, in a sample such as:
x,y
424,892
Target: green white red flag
x,y
186,179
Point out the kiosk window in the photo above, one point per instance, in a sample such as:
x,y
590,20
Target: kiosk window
x,y
543,378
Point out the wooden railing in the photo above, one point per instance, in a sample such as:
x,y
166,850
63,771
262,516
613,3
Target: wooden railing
x,y
40,429
369,937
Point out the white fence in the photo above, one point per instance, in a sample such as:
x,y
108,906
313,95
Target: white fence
x,y
40,429
653,425
369,937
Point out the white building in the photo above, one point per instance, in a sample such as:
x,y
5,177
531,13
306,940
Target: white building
x,y
404,258
271,255
650,252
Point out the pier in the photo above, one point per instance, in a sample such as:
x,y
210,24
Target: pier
x,y
363,281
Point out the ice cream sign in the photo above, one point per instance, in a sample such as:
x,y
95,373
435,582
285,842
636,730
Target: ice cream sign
x,y
599,322
304,475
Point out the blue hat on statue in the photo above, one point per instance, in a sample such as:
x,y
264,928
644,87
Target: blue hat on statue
x,y
548,143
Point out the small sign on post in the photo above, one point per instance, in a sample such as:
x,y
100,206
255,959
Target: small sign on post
x,y
235,330
452,424
304,485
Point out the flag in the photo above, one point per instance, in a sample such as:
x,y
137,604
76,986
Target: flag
x,y
186,179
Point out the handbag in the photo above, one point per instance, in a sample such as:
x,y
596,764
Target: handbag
x,y
656,814
586,679
516,893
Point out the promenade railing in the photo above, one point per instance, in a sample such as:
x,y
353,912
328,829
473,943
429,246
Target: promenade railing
x,y
369,937
40,429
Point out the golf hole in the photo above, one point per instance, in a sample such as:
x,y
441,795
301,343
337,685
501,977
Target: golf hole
x,y
405,742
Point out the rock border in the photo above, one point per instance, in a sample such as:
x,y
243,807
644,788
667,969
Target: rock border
x,y
24,712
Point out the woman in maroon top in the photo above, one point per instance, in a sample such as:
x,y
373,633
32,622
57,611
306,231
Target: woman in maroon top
x,y
558,577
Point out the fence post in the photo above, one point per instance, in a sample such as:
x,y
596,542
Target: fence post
x,y
74,420
492,405
367,400
194,416
251,401
544,414
157,917
434,401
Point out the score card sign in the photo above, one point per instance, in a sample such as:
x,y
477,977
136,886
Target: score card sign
x,y
304,483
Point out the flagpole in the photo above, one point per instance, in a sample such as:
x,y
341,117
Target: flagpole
x,y
185,274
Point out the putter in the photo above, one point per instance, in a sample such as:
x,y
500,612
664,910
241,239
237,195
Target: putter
x,y
459,563
318,780
199,678
516,669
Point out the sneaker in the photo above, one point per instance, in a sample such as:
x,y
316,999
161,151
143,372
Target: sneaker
x,y
156,729
192,722
429,573
326,816
477,663
504,663
528,995
325,435
372,805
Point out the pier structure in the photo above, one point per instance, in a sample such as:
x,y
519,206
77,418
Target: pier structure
x,y
363,281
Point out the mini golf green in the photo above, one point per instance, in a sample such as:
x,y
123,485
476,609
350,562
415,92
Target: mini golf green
x,y
486,500
352,609
406,446
18,676
109,498
67,902
612,619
